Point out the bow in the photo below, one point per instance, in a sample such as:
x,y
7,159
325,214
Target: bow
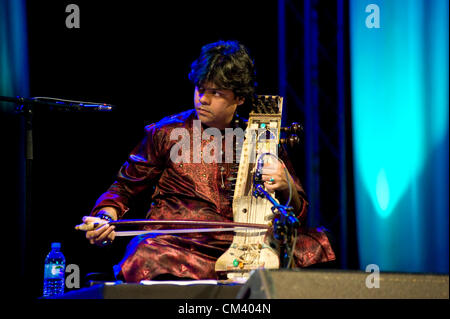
x,y
214,226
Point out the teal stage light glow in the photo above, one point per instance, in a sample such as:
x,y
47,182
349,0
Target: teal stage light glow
x,y
399,82
14,70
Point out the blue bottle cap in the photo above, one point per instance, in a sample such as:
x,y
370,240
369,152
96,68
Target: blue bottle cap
x,y
56,245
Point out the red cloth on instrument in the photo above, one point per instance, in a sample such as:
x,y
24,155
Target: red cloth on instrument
x,y
191,191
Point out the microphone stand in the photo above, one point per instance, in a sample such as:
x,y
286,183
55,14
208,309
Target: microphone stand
x,y
283,227
25,107
26,110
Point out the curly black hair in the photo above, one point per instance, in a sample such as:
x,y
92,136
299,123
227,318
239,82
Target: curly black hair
x,y
228,65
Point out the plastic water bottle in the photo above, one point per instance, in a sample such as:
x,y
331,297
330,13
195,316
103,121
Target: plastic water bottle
x,y
54,272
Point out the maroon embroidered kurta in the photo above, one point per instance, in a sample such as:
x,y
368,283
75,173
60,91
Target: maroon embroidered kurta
x,y
191,191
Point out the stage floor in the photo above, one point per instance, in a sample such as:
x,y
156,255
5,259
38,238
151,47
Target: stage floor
x,y
283,284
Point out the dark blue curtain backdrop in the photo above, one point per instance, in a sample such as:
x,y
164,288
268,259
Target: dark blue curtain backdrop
x,y
373,101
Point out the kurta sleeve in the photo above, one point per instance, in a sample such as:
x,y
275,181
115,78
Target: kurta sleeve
x,y
141,170
302,213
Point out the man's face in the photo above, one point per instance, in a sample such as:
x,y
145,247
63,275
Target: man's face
x,y
215,107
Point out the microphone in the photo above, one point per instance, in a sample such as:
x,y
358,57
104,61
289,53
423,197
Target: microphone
x,y
69,105
58,104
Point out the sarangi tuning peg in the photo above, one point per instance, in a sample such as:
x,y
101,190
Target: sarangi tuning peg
x,y
292,138
291,141
294,128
